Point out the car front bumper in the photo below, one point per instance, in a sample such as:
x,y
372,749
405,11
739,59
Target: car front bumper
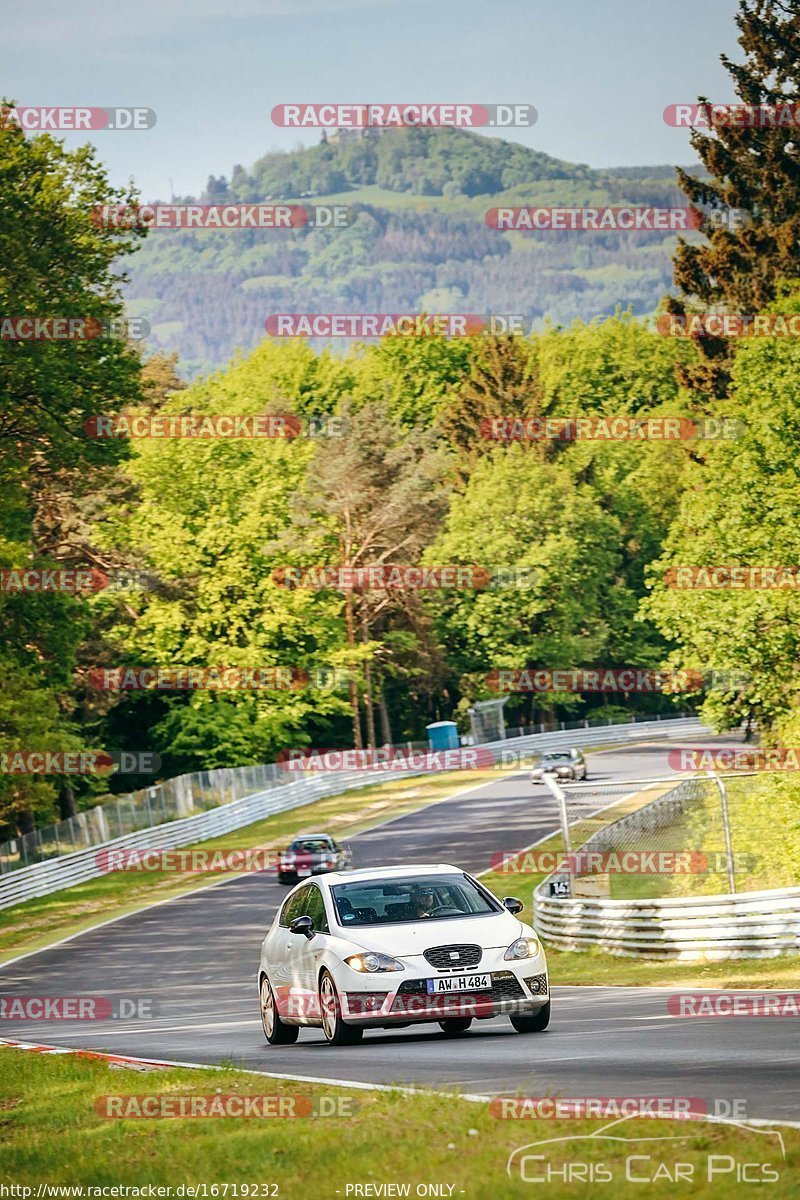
x,y
386,998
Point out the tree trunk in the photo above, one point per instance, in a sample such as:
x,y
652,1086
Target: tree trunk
x,y
383,712
66,802
369,708
351,641
25,822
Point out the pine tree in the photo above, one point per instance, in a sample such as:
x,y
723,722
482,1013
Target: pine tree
x,y
754,169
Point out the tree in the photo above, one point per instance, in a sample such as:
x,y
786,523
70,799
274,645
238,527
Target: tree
x,y
754,170
740,508
520,514
377,500
57,263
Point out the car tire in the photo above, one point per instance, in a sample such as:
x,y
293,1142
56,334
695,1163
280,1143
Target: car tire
x,y
285,879
533,1024
455,1026
337,1031
276,1031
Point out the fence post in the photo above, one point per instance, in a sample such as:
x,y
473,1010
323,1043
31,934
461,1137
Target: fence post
x,y
726,825
561,797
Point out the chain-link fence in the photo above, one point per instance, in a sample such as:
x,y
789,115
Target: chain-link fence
x,y
695,836
129,813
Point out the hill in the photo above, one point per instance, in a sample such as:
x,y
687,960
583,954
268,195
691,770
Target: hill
x,y
419,243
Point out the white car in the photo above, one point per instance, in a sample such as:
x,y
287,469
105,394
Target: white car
x,y
394,946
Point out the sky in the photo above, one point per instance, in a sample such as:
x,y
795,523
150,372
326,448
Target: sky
x,y
599,72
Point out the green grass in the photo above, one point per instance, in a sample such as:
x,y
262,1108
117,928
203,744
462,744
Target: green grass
x,y
38,923
53,1134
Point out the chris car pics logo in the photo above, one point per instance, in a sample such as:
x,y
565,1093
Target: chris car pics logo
x,y
647,1160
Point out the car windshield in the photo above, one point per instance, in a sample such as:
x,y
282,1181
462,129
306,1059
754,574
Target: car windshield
x,y
311,845
394,901
554,758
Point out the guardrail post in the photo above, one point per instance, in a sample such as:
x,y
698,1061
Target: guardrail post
x,y
726,825
561,797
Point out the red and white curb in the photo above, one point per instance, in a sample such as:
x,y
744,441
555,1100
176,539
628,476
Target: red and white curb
x,y
113,1060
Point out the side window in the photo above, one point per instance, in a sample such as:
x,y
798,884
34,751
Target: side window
x,y
294,907
315,908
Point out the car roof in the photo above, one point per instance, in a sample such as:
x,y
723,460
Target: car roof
x,y
299,837
368,874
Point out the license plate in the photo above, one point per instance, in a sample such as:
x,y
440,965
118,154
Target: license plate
x,y
304,871
459,983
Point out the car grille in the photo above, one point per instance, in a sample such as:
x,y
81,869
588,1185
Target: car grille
x,y
455,957
505,986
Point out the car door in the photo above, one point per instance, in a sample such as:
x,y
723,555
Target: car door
x,y
305,955
283,952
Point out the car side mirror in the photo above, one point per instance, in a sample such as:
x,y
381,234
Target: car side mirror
x,y
510,902
305,926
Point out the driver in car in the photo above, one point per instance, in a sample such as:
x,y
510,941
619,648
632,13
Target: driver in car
x,y
423,901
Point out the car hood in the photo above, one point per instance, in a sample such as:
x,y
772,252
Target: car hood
x,y
406,940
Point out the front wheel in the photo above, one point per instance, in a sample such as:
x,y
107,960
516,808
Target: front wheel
x,y
454,1026
276,1031
535,1023
336,1030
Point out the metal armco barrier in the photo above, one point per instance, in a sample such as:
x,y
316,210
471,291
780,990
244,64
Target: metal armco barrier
x,y
714,928
760,924
40,879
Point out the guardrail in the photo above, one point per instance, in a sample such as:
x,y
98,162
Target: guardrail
x,y
40,879
761,924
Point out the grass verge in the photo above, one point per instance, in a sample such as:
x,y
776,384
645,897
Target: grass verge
x,y
53,1134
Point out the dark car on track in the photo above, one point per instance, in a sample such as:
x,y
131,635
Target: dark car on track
x,y
312,854
562,764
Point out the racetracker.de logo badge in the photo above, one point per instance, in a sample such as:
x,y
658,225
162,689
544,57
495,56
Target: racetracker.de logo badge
x,y
223,216
614,219
378,325
43,118
402,116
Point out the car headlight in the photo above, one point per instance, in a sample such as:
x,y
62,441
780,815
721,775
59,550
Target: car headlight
x,y
524,947
371,961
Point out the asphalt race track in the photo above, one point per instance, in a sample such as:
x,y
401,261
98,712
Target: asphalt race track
x,y
196,957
